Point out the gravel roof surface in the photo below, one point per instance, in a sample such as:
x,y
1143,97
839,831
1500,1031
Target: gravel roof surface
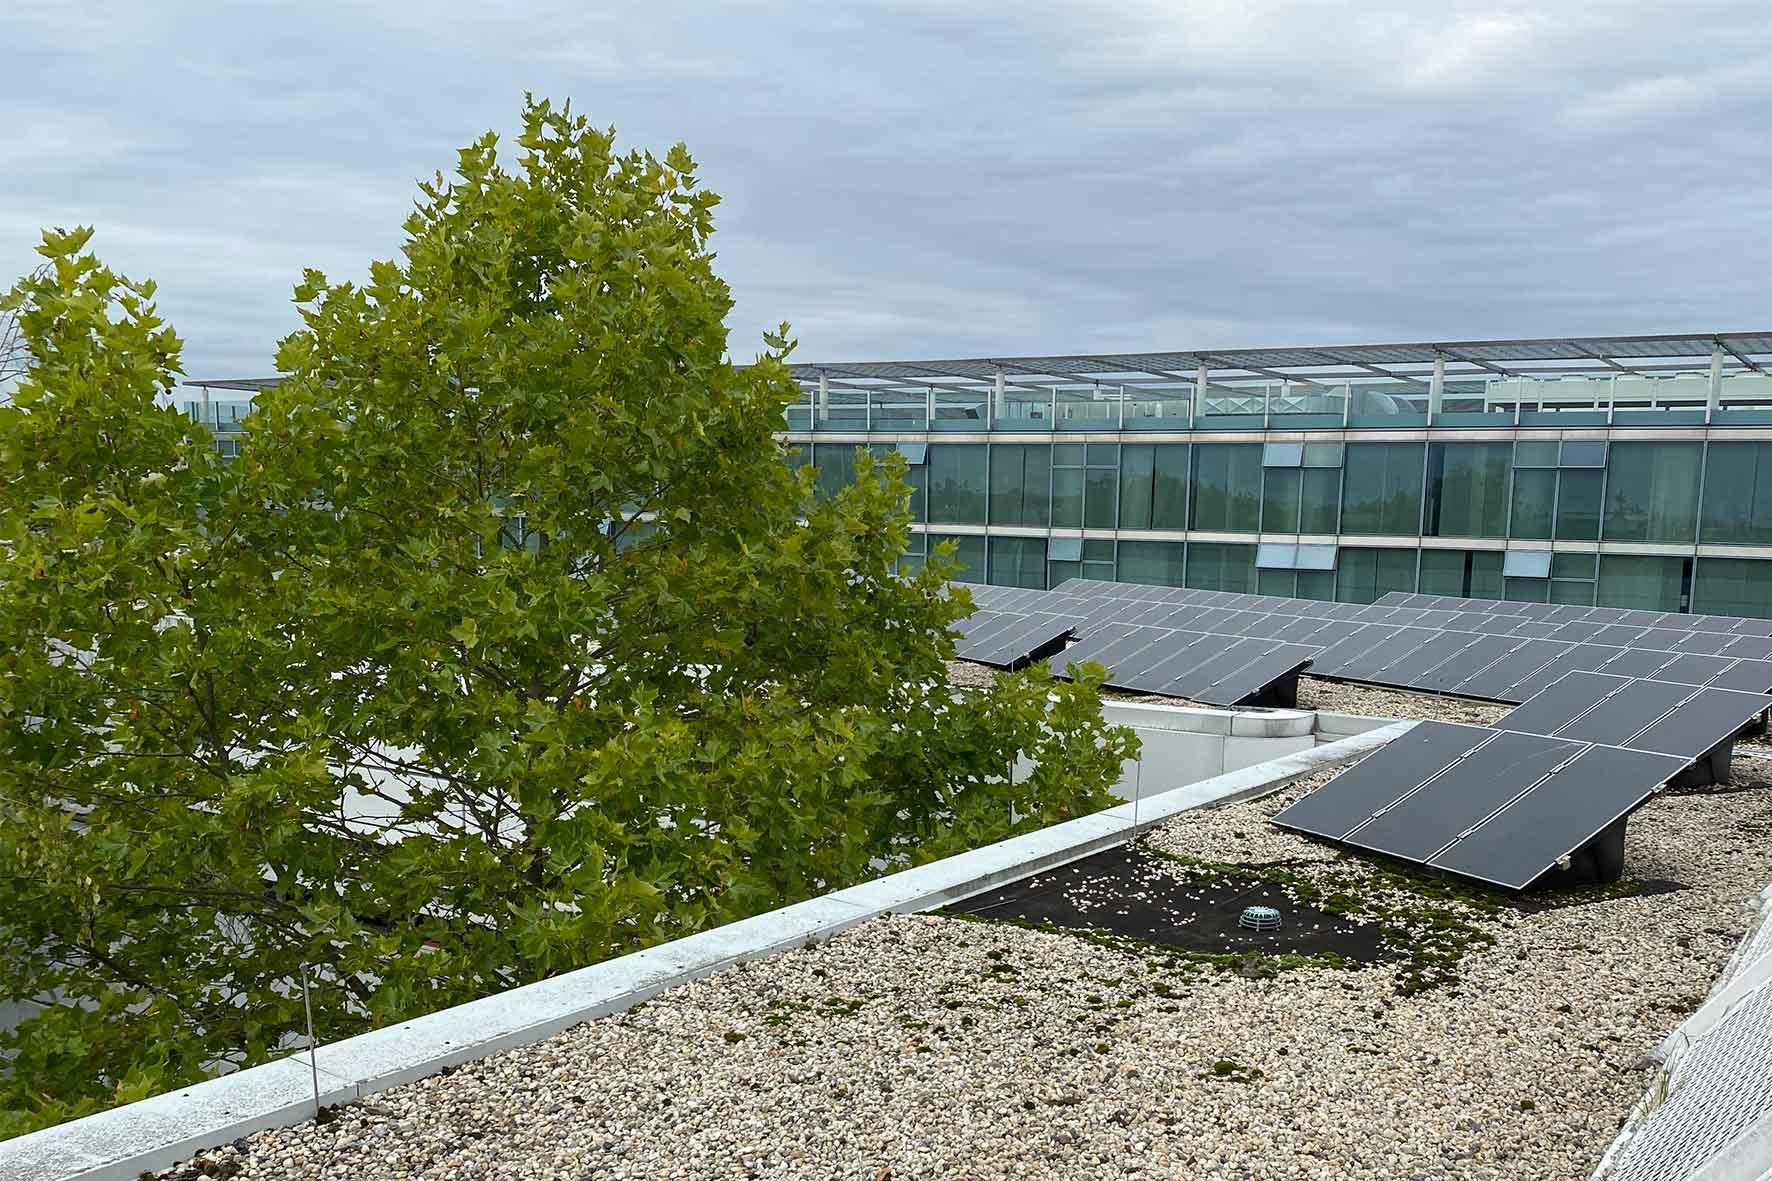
x,y
938,1047
1340,697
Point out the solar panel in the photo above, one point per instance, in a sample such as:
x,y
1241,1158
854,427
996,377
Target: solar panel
x,y
1380,779
1481,652
1692,670
1182,648
1007,639
1560,816
1561,703
1411,662
1462,795
1709,643
1472,648
1699,724
1625,711
1754,676
1750,647
1254,671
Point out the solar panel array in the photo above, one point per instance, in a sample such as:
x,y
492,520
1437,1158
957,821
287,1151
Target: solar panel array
x,y
1205,666
1564,613
1007,638
1612,705
1494,805
1506,657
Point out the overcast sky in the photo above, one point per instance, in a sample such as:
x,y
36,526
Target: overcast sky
x,y
941,178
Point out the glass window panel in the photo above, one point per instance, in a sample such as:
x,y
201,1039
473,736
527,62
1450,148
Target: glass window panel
x,y
1486,579
1316,557
956,484
1157,563
1733,586
1067,497
1282,454
1738,494
1467,573
1535,493
1103,485
1316,584
1322,455
1319,509
1153,486
1650,584
1098,549
1525,563
917,477
1535,453
1215,566
1468,489
1381,488
1574,566
1020,483
969,553
1138,463
1652,492
1442,571
1067,455
1018,561
1280,499
1578,505
914,453
1103,454
1065,549
1363,575
1057,572
1584,453
1227,486
1276,582
836,467
1526,590
1271,556
1577,594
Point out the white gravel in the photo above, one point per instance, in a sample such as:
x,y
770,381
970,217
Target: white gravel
x,y
1343,698
941,1048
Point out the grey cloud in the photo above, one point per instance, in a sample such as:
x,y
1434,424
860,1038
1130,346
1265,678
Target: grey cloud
x,y
941,178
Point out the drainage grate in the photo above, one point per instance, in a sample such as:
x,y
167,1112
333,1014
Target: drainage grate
x,y
1260,918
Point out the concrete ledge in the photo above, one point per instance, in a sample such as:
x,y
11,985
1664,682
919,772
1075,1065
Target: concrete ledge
x,y
1281,723
1188,719
120,1144
125,1141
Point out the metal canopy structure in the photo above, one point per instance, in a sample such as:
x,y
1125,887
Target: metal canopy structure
x,y
1739,352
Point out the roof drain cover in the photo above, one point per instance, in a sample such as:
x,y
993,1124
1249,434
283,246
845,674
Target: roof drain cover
x,y
1260,918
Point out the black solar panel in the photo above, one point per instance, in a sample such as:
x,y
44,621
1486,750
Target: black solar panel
x,y
1459,798
1562,702
1701,722
1753,676
1501,651
1357,794
1007,639
1558,817
1624,712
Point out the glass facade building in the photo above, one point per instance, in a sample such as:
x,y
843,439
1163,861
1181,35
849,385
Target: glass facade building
x,y
1619,472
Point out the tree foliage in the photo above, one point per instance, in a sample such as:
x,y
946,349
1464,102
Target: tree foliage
x,y
509,643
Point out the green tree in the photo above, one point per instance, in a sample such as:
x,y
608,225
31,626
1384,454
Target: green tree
x,y
509,643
